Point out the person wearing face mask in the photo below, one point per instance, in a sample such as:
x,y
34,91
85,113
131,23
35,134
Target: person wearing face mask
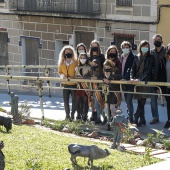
x,y
159,52
97,95
83,96
127,58
113,54
167,124
81,48
66,69
142,71
95,52
111,72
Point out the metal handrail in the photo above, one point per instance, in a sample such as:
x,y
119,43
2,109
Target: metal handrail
x,y
39,83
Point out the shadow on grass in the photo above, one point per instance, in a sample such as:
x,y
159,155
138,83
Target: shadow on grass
x,y
78,167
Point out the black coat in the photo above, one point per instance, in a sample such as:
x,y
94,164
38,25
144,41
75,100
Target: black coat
x,y
127,70
142,70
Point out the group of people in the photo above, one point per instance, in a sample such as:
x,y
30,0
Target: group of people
x,y
147,65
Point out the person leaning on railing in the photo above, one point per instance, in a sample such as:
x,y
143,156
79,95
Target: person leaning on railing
x,y
111,72
167,125
83,71
127,58
95,52
158,52
66,69
142,71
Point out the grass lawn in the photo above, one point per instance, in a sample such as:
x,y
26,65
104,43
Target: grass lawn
x,y
30,148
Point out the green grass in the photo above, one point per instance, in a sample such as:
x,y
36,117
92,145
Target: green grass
x,y
30,148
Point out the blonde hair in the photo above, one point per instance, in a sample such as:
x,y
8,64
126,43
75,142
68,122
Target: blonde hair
x,y
109,63
62,54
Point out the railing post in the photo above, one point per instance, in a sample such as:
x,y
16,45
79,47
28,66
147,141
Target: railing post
x,y
40,89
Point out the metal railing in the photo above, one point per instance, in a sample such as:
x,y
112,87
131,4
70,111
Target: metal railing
x,y
82,7
40,83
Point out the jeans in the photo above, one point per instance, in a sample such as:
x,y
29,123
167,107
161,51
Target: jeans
x,y
154,104
168,104
66,96
129,103
97,107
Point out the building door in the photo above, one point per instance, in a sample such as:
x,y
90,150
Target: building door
x,y
84,37
32,55
3,48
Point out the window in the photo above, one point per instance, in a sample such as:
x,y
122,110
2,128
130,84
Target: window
x,y
3,48
120,37
124,3
2,1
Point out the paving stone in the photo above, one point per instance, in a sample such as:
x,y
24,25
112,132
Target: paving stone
x,y
157,152
127,145
162,156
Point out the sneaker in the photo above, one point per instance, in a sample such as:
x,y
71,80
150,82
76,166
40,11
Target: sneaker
x,y
154,120
167,125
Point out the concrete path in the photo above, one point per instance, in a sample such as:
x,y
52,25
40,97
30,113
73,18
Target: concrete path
x,y
54,109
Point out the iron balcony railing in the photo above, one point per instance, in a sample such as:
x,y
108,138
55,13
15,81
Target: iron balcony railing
x,y
81,7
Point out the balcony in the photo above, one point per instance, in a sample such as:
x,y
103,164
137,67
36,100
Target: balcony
x,y
80,7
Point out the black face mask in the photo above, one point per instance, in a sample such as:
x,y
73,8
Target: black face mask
x,y
94,68
68,55
113,55
94,49
157,43
107,70
168,52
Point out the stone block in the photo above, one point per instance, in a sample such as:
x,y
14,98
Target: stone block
x,y
89,23
47,36
53,28
142,2
48,54
35,34
144,35
137,10
51,45
157,152
81,28
35,19
76,22
60,36
44,44
66,29
29,26
41,27
146,11
62,21
48,20
162,156
127,145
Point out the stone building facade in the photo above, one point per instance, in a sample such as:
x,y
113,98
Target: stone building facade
x,y
32,33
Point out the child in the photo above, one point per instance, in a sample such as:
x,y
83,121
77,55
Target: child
x,y
111,72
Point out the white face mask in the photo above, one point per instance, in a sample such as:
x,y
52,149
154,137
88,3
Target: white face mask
x,y
125,50
80,51
83,61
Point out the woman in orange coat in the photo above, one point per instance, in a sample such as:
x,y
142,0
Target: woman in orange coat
x,y
66,69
